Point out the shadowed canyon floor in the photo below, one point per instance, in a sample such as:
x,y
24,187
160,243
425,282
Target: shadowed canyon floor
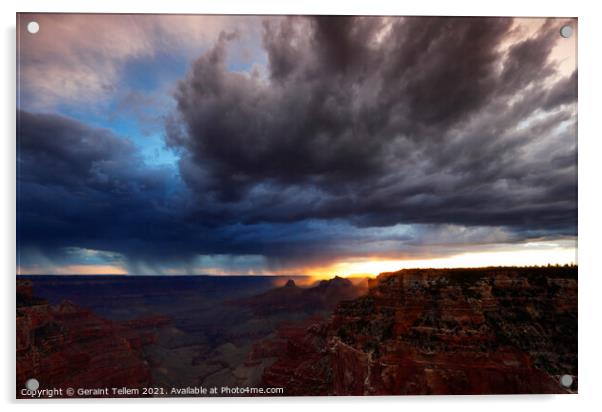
x,y
448,331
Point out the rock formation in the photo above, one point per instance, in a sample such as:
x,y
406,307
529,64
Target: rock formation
x,y
67,346
291,298
464,331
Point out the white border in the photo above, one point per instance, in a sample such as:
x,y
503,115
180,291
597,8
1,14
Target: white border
x,y
590,71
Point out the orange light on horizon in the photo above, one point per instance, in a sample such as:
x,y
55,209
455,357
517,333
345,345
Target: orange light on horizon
x,y
549,254
526,254
74,270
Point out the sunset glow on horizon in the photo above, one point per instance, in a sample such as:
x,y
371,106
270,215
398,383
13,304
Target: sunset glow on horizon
x,y
531,254
374,267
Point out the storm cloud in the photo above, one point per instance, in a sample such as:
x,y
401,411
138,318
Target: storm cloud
x,y
350,136
385,121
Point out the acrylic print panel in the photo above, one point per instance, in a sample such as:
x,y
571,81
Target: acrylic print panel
x,y
289,206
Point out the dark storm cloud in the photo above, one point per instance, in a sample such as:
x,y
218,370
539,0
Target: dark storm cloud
x,y
59,151
384,121
362,137
81,187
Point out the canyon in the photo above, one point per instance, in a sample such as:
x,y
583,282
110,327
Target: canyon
x,y
422,331
418,332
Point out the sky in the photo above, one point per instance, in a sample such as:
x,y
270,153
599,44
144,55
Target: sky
x,y
283,145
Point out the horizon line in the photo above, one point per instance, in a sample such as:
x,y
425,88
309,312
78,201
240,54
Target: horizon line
x,y
302,275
